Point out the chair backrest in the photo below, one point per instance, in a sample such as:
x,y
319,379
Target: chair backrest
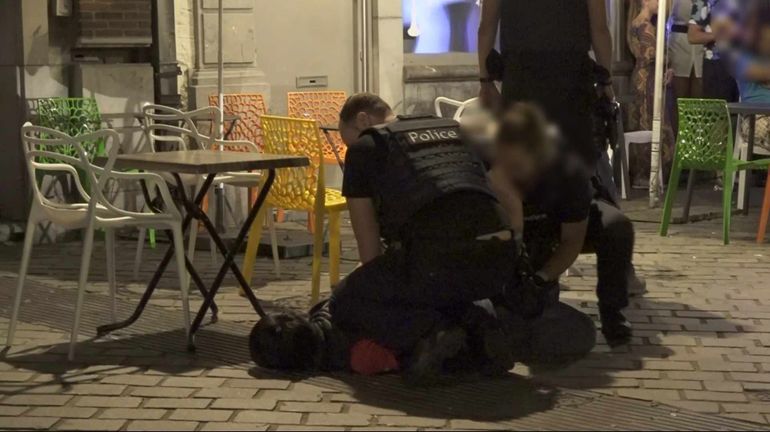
x,y
295,188
72,116
48,151
249,107
172,129
325,107
460,107
705,138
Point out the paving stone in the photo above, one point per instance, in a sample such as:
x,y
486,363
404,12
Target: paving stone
x,y
90,425
420,422
268,417
133,380
258,384
373,410
343,419
176,403
96,389
298,392
650,395
749,417
245,404
474,425
216,426
62,412
15,376
726,366
226,392
672,384
109,402
12,410
723,386
714,396
163,392
667,365
204,415
192,382
310,407
132,413
26,423
161,425
37,400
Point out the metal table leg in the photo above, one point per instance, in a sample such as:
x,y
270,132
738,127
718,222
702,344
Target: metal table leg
x,y
749,156
108,328
229,263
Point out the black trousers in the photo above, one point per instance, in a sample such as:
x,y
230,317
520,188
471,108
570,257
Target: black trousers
x,y
563,88
610,236
403,295
718,83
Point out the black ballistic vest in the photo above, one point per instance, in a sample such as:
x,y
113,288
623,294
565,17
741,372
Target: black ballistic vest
x,y
426,160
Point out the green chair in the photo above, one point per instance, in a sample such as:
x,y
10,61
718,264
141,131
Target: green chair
x,y
75,117
705,143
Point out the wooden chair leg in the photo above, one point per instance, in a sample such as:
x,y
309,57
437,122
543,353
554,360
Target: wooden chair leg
x,y
765,212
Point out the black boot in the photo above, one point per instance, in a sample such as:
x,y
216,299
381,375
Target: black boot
x,y
615,327
427,364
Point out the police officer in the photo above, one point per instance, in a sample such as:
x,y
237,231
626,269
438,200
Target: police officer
x,y
415,184
545,59
549,195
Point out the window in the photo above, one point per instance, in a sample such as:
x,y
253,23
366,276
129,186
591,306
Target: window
x,y
440,26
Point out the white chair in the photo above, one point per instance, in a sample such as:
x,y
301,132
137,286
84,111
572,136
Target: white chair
x,y
159,128
460,106
95,212
741,151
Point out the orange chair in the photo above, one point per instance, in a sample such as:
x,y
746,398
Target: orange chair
x,y
324,107
249,107
765,212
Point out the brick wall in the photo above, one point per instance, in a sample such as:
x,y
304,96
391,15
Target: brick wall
x,y
115,20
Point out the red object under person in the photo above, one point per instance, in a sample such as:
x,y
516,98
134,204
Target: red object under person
x,y
369,358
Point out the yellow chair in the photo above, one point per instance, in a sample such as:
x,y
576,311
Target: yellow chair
x,y
300,189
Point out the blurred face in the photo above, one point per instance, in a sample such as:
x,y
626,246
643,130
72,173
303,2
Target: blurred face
x,y
351,130
518,164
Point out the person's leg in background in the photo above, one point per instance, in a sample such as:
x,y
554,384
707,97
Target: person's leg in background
x,y
718,83
611,236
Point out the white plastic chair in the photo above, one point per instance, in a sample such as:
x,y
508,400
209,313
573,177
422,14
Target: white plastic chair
x,y
159,128
741,151
95,212
460,106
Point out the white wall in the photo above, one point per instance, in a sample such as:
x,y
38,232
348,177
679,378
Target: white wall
x,y
305,38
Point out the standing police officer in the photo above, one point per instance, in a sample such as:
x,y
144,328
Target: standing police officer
x,y
545,56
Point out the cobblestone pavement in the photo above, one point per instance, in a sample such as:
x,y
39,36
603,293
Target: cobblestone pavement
x,y
702,344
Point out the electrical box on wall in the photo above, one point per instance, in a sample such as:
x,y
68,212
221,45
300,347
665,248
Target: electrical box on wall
x,y
63,7
313,82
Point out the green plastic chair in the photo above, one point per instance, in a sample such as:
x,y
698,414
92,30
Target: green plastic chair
x,y
705,143
75,117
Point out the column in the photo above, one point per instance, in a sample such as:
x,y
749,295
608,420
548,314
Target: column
x,y
242,72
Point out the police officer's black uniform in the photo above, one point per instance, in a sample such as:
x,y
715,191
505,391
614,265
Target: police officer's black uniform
x,y
433,201
545,46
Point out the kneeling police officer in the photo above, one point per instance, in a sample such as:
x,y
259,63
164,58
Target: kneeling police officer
x,y
414,184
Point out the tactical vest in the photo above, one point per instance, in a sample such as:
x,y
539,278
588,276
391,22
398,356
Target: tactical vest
x,y
544,26
426,160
